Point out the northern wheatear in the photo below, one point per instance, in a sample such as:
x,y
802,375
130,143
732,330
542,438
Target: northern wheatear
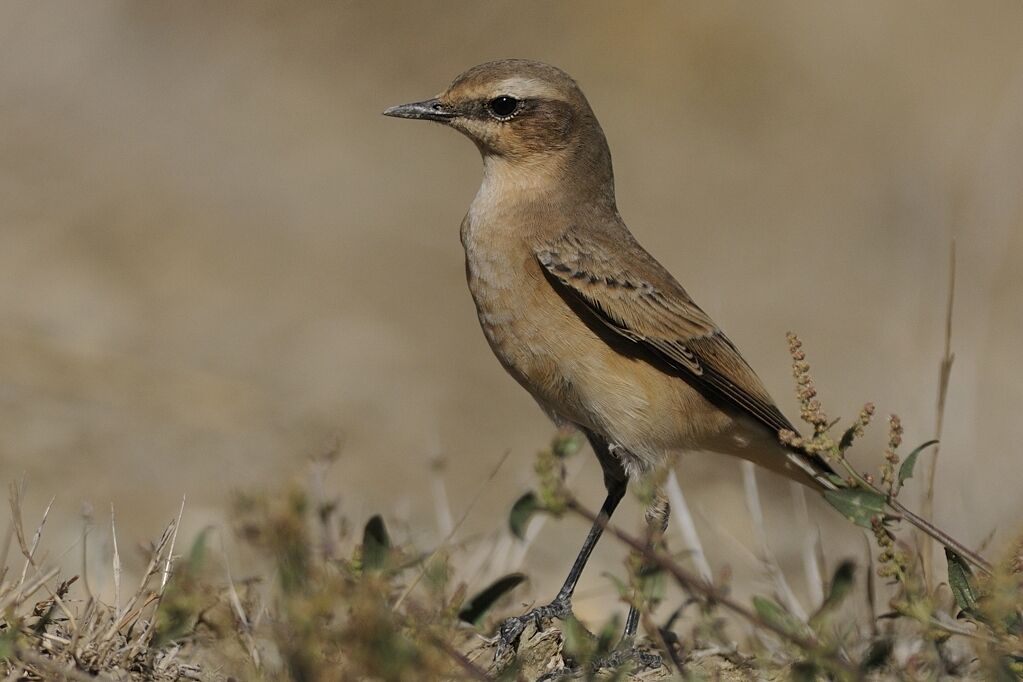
x,y
599,332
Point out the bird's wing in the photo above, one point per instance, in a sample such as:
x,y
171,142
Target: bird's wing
x,y
636,297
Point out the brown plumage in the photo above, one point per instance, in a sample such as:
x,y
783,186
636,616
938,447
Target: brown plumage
x,y
585,319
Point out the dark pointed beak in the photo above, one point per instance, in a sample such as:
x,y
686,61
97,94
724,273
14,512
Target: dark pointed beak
x,y
429,110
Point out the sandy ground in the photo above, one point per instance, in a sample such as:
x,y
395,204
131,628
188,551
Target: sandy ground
x,y
217,258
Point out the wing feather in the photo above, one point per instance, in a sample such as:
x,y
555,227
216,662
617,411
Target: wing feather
x,y
655,312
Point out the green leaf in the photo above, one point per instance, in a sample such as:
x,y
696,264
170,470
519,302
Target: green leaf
x,y
376,544
620,585
841,586
565,445
652,583
197,554
842,582
775,614
906,470
8,640
480,603
522,512
877,654
847,438
607,637
960,579
857,504
579,644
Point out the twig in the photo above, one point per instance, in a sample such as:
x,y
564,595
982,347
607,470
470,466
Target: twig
x,y
245,626
941,536
461,520
170,551
474,671
871,592
85,554
684,520
694,583
441,500
520,549
811,542
55,671
116,560
767,558
944,373
901,512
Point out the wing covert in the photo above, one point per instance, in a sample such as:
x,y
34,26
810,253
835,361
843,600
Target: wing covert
x,y
655,313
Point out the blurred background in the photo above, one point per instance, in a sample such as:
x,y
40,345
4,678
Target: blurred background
x,y
218,260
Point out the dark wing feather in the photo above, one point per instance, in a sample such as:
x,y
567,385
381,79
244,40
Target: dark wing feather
x,y
655,312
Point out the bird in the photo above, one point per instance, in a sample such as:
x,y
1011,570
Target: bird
x,y
602,336
584,318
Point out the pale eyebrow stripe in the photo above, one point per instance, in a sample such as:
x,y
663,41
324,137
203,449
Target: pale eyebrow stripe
x,y
523,87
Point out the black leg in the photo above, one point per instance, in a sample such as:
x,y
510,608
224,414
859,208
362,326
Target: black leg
x,y
616,482
614,496
657,522
625,652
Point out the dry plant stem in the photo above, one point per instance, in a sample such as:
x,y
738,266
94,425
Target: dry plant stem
x,y
116,560
812,539
927,510
426,562
245,626
55,672
766,556
695,584
473,670
684,520
942,537
922,524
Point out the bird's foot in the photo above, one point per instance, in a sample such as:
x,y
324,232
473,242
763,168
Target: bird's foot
x,y
626,654
511,629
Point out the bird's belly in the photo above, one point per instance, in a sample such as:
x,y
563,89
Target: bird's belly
x,y
577,377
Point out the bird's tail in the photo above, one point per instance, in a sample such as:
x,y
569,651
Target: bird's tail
x,y
817,468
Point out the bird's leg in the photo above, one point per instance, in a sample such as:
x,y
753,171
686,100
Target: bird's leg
x,y
561,606
615,482
626,653
657,522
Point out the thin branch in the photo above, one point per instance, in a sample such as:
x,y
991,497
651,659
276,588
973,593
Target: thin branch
x,y
695,584
901,512
473,670
684,520
941,536
767,558
447,539
116,560
944,373
811,543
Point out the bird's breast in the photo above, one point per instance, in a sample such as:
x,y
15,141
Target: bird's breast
x,y
513,303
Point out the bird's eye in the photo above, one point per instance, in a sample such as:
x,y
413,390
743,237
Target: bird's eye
x,y
503,107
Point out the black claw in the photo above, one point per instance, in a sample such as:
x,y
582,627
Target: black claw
x,y
626,654
649,660
537,620
511,629
614,660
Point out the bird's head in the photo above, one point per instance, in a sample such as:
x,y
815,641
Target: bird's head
x,y
516,109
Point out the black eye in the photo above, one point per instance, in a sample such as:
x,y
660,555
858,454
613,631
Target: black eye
x,y
503,106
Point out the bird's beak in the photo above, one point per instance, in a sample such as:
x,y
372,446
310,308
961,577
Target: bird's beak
x,y
429,110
